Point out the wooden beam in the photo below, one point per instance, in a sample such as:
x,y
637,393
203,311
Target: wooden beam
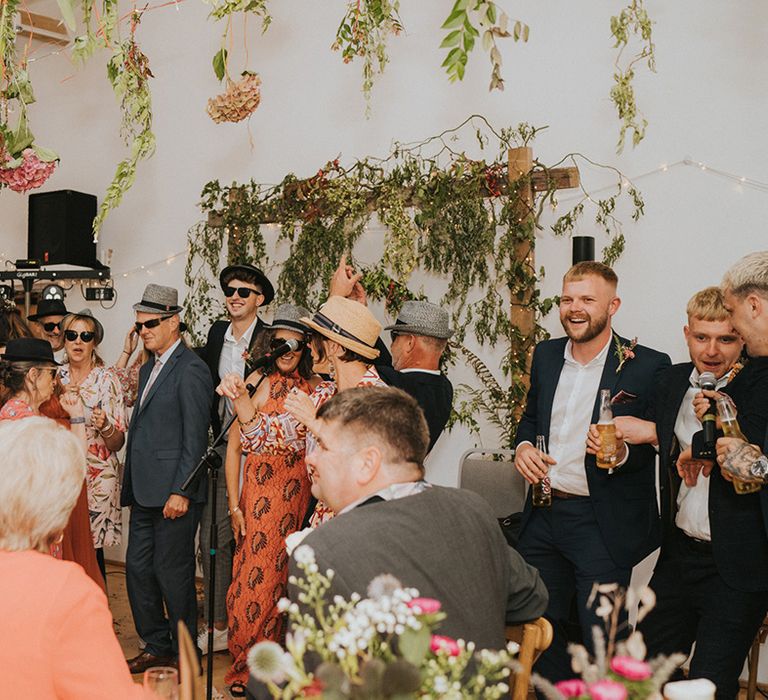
x,y
45,38
47,24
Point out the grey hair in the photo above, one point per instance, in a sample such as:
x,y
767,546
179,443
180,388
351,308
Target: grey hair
x,y
748,275
41,475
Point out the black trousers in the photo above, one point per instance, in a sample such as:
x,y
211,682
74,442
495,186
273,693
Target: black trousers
x,y
565,544
160,575
695,604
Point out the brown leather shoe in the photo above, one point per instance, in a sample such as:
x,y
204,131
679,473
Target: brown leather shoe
x,y
145,660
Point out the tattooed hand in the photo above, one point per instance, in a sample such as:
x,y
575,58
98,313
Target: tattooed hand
x,y
736,457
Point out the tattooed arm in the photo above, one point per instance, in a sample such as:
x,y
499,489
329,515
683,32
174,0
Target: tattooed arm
x,y
736,458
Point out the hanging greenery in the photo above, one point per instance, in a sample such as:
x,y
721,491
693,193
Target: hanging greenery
x,y
445,214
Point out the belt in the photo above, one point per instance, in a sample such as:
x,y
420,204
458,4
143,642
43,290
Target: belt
x,y
557,493
695,545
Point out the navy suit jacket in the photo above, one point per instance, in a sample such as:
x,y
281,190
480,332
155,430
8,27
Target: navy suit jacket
x,y
624,502
168,433
739,541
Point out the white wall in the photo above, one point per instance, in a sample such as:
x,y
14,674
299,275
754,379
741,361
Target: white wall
x,y
707,102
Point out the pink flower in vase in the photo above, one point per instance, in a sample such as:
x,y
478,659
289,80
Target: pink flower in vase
x,y
608,690
425,606
631,669
445,644
572,688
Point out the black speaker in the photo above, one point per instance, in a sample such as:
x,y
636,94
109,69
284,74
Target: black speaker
x,y
60,228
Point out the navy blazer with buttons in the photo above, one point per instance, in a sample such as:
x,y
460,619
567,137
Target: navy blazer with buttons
x,y
624,502
168,433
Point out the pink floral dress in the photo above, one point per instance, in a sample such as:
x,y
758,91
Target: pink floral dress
x,y
282,431
101,388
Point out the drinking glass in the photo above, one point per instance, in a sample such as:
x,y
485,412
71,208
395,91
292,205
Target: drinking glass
x,y
163,681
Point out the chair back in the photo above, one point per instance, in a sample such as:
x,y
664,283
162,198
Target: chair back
x,y
533,638
190,679
492,475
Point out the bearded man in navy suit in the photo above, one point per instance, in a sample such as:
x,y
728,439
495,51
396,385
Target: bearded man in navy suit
x,y
600,524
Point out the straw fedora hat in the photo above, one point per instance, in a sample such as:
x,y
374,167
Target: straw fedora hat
x,y
349,324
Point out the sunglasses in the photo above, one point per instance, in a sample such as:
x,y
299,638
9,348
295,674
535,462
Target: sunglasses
x,y
152,323
276,343
85,336
242,292
50,326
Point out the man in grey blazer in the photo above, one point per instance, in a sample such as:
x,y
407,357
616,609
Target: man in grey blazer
x,y
445,542
167,437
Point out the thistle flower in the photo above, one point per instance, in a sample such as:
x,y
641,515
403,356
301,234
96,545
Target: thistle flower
x,y
383,586
268,663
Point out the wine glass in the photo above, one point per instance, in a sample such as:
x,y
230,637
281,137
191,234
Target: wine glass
x,y
163,681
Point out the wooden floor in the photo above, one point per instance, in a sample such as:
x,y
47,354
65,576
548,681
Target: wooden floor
x,y
126,633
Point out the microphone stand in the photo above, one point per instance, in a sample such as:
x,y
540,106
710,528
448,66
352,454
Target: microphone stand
x,y
211,462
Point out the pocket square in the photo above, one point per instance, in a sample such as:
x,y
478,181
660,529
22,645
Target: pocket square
x,y
623,397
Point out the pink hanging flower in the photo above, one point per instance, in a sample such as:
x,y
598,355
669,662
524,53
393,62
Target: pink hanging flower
x,y
631,669
31,173
572,688
608,690
441,643
426,606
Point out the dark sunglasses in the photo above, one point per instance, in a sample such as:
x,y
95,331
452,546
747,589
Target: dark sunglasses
x,y
85,336
152,323
276,343
242,292
50,326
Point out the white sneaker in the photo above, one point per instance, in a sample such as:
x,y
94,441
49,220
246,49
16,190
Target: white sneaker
x,y
220,639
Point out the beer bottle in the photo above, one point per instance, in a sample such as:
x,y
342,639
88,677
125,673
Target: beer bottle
x,y
542,491
730,427
606,455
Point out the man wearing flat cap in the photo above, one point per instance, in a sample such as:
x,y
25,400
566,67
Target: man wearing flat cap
x,y
167,437
246,289
419,337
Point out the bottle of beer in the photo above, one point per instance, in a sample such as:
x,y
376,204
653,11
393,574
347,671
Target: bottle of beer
x,y
730,427
606,455
542,491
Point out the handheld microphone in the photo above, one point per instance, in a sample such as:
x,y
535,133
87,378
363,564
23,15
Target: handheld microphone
x,y
286,347
708,382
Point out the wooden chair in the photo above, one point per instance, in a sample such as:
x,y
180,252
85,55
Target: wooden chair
x,y
190,678
754,659
533,638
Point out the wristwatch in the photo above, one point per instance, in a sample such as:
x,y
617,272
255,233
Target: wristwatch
x,y
759,468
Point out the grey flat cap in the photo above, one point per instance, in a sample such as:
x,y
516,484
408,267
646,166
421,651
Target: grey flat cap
x,y
158,299
288,317
422,318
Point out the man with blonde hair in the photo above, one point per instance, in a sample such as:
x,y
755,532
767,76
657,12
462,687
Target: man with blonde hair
x,y
711,579
599,524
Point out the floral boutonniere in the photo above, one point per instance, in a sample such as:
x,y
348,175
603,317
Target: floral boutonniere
x,y
735,370
624,352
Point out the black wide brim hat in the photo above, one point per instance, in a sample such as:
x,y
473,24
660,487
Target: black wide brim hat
x,y
48,307
29,350
251,270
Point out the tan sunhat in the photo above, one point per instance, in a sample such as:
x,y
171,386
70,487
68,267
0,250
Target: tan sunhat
x,y
349,324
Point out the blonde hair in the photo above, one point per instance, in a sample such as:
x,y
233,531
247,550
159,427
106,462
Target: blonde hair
x,y
591,268
748,275
707,305
67,322
41,475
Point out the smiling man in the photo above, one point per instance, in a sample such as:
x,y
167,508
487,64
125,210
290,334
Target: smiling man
x,y
46,324
711,578
599,524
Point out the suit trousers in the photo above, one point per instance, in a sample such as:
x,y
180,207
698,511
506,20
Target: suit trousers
x,y
694,604
565,544
160,571
225,549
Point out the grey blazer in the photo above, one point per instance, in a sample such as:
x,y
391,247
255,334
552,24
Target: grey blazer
x,y
446,543
168,433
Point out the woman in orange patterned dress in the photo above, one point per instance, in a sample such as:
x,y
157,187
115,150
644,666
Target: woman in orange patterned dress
x,y
274,500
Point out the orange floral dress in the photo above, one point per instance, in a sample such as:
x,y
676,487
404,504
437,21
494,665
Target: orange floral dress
x,y
274,501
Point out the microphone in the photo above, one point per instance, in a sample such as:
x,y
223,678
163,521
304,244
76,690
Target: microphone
x,y
708,382
286,347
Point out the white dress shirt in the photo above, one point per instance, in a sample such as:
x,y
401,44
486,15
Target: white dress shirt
x,y
571,417
232,360
693,501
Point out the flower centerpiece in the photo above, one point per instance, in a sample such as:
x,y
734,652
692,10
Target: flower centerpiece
x,y
381,646
618,669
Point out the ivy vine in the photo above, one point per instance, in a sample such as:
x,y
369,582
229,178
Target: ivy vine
x,y
444,214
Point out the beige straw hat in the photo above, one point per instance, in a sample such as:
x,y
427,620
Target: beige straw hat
x,y
349,324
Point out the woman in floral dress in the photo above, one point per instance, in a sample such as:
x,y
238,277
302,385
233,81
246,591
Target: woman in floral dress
x,y
98,389
274,500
